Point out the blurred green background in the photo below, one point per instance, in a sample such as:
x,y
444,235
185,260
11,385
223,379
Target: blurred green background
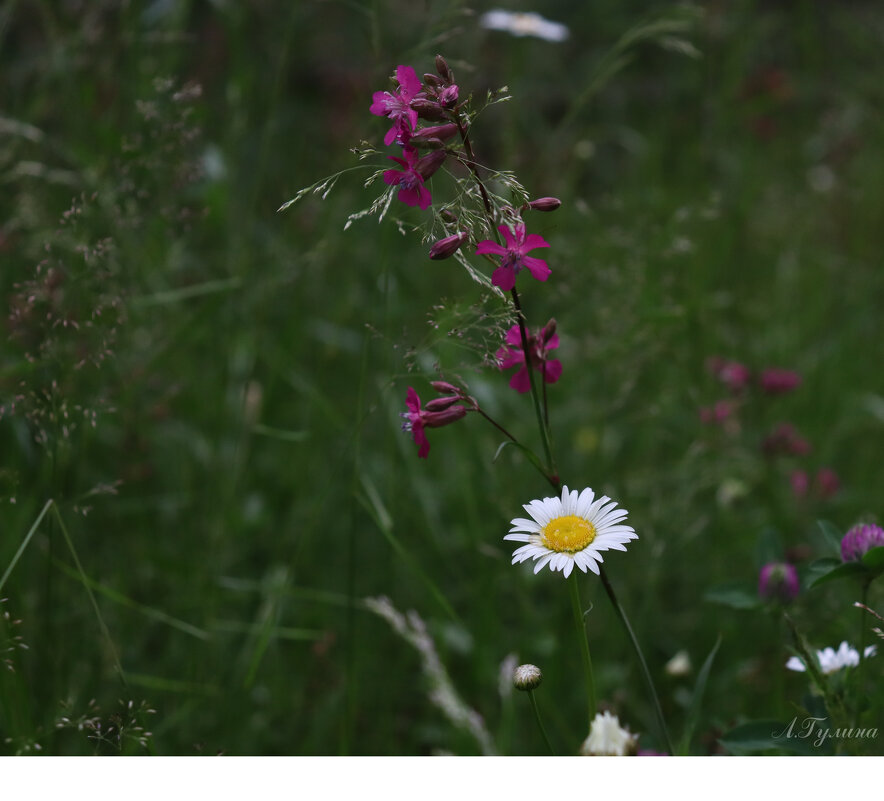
x,y
209,391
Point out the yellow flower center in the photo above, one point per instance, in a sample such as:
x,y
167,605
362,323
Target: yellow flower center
x,y
569,534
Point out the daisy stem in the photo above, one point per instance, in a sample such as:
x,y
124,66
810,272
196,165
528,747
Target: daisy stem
x,y
539,721
584,644
658,711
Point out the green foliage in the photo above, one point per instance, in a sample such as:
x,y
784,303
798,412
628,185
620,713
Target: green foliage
x,y
202,475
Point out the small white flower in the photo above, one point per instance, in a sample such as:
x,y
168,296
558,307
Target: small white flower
x,y
524,24
568,531
830,660
607,738
679,665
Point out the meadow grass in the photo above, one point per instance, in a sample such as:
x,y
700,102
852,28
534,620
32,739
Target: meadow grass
x,y
205,549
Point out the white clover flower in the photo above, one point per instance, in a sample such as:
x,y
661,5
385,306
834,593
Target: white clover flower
x,y
608,738
830,660
568,531
524,24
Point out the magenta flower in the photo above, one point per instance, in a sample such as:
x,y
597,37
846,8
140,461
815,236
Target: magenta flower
x,y
800,483
412,191
513,256
778,382
859,540
719,413
417,419
398,106
826,483
733,375
779,581
511,355
784,440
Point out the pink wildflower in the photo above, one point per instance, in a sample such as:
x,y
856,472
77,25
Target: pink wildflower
x,y
779,382
539,346
799,482
859,540
722,410
398,106
733,375
417,419
826,483
412,191
518,243
785,440
779,581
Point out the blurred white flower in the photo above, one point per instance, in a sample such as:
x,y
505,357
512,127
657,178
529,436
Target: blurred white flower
x,y
831,660
679,665
524,24
607,738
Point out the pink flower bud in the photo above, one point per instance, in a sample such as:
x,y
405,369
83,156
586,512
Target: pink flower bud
x,y
444,386
444,418
778,382
429,109
441,404
431,80
545,204
427,165
443,70
448,96
448,246
799,482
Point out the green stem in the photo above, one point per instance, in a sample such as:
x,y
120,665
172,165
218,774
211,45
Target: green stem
x,y
584,646
658,710
539,721
862,648
544,429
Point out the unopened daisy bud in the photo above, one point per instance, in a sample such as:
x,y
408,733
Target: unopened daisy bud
x,y
608,738
545,204
429,109
441,404
859,540
448,246
443,69
427,165
778,581
437,133
527,677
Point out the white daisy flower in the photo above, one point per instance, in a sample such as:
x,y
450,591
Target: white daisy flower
x,y
524,24
571,530
830,660
608,738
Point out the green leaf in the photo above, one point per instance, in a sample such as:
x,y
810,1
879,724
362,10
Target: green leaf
x,y
874,559
735,594
697,699
831,535
845,570
767,735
